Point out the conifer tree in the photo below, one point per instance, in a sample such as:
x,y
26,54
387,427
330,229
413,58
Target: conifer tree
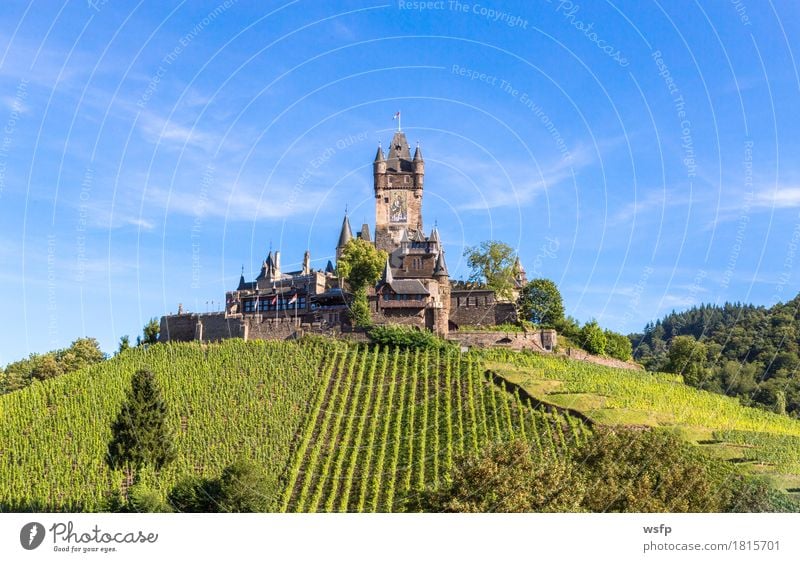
x,y
141,434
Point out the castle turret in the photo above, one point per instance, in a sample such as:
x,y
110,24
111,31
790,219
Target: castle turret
x,y
307,263
520,278
440,270
364,234
276,266
379,164
419,168
442,310
345,236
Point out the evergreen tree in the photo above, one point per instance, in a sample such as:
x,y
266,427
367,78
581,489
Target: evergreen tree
x,y
141,434
150,332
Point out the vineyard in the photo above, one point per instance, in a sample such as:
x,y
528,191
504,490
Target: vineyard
x,y
338,427
766,442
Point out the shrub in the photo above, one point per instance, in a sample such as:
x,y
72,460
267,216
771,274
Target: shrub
x,y
618,346
593,338
399,336
243,487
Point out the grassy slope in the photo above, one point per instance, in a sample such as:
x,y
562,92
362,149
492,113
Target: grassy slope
x,y
764,442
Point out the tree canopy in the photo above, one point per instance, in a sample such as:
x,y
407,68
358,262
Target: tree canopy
x,y
361,264
541,303
751,352
492,263
19,374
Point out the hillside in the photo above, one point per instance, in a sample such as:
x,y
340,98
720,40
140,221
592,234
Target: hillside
x,y
339,427
759,441
750,352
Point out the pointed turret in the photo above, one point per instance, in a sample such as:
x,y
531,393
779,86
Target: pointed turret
x,y
346,233
329,268
440,270
520,278
344,236
418,154
307,263
434,237
379,155
241,281
364,234
387,277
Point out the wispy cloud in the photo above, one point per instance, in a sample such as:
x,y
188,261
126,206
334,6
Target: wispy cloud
x,y
240,202
780,197
497,188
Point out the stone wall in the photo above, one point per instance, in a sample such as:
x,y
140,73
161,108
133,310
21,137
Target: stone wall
x,y
540,340
483,314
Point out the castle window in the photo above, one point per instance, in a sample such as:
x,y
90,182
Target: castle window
x,y
249,306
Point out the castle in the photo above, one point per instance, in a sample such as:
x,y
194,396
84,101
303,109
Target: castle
x,y
415,288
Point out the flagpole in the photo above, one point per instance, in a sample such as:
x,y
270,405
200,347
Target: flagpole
x,y
398,122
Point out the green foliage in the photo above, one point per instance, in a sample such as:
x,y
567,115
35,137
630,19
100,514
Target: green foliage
x,y
618,346
492,263
403,337
80,354
361,264
124,344
752,351
141,433
335,427
593,338
46,367
143,499
687,357
243,487
508,478
541,303
150,332
616,470
647,471
359,309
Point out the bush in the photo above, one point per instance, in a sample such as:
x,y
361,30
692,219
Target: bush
x,y
617,470
593,338
506,478
618,346
399,336
243,487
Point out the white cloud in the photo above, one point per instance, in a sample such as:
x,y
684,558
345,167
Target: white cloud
x,y
781,197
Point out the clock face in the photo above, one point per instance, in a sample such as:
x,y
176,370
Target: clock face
x,y
398,209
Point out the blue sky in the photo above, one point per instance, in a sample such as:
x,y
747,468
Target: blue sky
x,y
642,154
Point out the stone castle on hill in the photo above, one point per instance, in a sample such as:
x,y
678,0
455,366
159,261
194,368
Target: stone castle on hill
x,y
415,288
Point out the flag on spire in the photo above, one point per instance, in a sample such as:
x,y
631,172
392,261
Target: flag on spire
x,y
397,117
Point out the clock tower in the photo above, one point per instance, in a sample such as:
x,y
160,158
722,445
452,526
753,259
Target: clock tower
x,y
398,180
